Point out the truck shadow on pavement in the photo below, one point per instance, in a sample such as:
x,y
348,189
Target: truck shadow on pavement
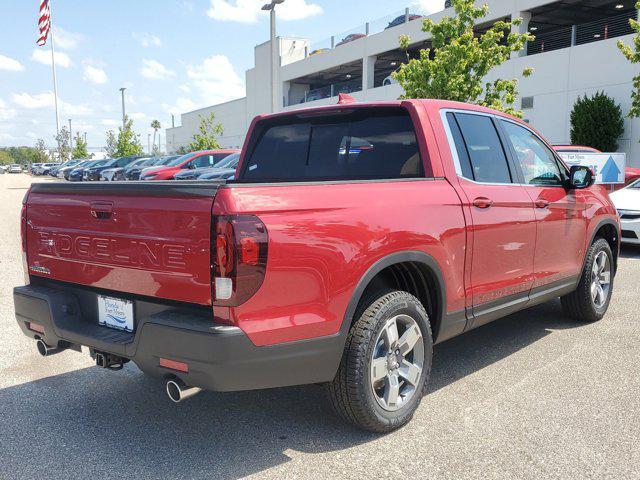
x,y
629,251
92,423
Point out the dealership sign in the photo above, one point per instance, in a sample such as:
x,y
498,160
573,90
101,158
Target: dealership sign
x,y
608,167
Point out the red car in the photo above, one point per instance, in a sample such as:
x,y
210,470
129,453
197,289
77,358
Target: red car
x,y
354,238
201,159
630,173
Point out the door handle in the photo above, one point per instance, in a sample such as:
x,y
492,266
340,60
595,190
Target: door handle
x,y
482,202
542,203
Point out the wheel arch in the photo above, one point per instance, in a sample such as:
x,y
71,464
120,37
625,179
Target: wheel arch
x,y
418,271
610,231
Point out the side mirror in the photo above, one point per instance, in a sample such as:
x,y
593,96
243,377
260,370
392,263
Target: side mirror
x,y
581,177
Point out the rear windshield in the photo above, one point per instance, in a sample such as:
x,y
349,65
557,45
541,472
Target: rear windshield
x,y
364,144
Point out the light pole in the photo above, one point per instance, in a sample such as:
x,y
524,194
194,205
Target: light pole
x,y
271,8
123,111
149,143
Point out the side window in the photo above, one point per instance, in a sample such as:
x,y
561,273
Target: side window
x,y
484,149
538,163
203,161
461,149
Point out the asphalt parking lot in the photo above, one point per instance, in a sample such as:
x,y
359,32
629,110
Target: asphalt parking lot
x,y
534,395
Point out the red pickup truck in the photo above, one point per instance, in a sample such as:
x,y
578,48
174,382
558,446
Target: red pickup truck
x,y
353,239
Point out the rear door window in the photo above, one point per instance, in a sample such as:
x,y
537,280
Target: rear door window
x,y
483,148
366,144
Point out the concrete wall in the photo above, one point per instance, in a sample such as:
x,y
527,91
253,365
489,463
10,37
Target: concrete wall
x,y
559,78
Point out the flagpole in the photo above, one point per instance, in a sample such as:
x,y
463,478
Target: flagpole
x,y
55,81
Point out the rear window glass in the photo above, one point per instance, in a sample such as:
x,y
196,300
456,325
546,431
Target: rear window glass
x,y
378,144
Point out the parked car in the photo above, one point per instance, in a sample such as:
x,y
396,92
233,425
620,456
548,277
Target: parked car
x,y
135,172
201,159
2,169
318,264
351,38
402,19
111,174
222,169
95,173
14,168
44,168
319,51
63,172
77,173
630,173
627,202
33,167
69,163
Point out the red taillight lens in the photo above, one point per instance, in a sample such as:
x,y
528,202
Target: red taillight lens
x,y
23,237
240,258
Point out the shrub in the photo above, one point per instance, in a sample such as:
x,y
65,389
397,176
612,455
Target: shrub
x,y
597,122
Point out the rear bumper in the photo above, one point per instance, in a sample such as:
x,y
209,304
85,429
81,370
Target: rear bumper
x,y
219,357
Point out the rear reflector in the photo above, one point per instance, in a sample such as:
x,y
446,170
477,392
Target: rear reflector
x,y
174,365
35,327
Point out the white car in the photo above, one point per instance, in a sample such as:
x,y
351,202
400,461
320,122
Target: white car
x,y
15,168
627,202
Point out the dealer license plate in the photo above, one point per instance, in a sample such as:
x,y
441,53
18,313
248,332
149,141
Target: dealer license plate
x,y
115,313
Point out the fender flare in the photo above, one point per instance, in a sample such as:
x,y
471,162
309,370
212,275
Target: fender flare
x,y
381,264
599,225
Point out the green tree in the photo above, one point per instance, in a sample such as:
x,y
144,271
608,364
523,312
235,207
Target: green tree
x,y
41,153
128,141
597,122
112,144
633,55
155,124
80,150
63,139
207,138
455,66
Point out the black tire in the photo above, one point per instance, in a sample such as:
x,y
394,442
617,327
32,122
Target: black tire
x,y
579,304
351,392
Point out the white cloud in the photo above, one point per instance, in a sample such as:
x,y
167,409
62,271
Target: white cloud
x,y
216,79
138,116
5,111
95,75
182,105
40,100
247,11
185,88
147,39
44,57
66,40
427,7
46,100
109,122
154,70
10,64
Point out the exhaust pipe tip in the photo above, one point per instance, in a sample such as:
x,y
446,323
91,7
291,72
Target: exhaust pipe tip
x,y
42,347
45,350
178,391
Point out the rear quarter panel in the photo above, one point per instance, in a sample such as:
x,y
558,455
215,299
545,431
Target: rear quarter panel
x,y
323,238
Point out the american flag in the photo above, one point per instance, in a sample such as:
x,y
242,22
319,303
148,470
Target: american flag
x,y
44,22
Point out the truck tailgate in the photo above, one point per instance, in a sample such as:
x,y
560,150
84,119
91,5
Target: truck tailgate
x,y
149,239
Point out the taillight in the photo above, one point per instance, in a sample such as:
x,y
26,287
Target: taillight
x,y
239,258
23,237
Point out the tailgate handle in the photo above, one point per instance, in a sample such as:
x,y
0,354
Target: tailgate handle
x,y
102,210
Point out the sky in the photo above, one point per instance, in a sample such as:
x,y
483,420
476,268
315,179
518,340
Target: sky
x,y
173,56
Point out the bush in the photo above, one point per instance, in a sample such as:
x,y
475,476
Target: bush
x,y
597,122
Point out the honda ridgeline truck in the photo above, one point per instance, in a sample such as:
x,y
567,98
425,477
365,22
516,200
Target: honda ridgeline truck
x,y
353,239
